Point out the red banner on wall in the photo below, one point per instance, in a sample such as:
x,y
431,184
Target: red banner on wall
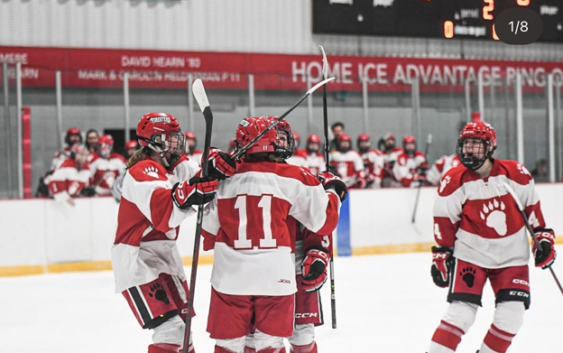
x,y
220,70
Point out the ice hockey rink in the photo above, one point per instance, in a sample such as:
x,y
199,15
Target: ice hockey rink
x,y
385,303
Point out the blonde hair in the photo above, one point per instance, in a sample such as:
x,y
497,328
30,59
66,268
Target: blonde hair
x,y
139,155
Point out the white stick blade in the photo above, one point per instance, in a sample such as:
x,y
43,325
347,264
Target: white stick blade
x,y
200,95
315,87
429,140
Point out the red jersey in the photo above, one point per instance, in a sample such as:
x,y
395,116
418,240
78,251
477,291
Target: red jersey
x,y
67,180
104,171
148,224
480,220
247,226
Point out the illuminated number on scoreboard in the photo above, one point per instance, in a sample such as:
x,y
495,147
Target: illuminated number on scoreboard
x,y
495,37
266,205
523,2
448,29
488,9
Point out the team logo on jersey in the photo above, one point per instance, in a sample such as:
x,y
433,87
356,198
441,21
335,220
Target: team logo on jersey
x,y
445,181
522,169
493,214
152,171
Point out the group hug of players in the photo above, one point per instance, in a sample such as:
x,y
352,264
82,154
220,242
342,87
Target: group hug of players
x,y
270,224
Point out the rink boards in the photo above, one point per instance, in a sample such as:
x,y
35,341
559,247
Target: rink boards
x,y
40,236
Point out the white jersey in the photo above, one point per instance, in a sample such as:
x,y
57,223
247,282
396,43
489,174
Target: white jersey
x,y
440,167
247,226
315,161
349,165
480,220
148,224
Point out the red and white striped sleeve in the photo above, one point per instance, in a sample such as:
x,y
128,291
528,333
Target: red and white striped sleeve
x,y
434,174
523,184
148,187
448,208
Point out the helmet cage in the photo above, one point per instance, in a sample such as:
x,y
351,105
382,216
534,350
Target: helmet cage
x,y
470,160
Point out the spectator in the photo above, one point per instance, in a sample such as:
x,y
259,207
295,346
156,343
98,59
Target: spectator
x,y
92,137
130,147
337,129
540,173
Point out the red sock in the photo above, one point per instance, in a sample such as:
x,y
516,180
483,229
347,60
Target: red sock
x,y
498,340
308,348
272,350
448,335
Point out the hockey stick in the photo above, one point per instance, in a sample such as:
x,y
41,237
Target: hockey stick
x,y
529,228
426,150
243,150
325,125
201,97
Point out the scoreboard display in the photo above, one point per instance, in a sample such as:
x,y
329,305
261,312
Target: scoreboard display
x,y
449,19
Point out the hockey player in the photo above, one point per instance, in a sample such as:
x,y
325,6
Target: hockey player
x,y
481,235
130,147
73,136
191,143
410,167
158,192
348,163
373,161
389,153
71,176
309,157
254,272
105,166
297,139
440,167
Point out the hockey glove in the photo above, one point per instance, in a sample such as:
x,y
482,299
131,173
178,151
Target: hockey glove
x,y
313,269
544,252
331,181
220,164
88,191
442,263
197,191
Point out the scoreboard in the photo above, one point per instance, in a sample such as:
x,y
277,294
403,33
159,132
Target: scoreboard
x,y
450,19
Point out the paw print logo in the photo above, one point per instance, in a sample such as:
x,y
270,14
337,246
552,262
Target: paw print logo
x,y
522,169
445,181
468,276
157,292
493,214
152,171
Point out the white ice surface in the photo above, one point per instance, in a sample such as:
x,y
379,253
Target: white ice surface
x,y
384,304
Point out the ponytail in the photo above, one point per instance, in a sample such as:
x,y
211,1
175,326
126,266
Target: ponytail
x,y
139,155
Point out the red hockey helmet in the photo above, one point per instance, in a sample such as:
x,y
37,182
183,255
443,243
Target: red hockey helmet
x,y
408,139
131,144
105,145
478,130
313,138
190,135
366,146
161,132
297,138
343,137
249,128
70,134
